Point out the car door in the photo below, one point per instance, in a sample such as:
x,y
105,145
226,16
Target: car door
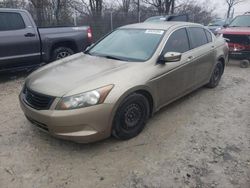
x,y
176,78
19,42
203,53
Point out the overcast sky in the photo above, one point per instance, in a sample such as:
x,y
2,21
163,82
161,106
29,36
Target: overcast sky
x,y
221,6
221,9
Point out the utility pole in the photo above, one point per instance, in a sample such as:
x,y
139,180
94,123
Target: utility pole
x,y
172,7
111,20
75,17
138,11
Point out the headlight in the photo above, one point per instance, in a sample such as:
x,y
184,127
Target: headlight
x,y
86,99
218,29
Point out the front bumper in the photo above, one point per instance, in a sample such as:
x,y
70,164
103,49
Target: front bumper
x,y
83,125
240,55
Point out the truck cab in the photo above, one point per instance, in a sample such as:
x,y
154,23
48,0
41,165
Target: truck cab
x,y
20,41
23,45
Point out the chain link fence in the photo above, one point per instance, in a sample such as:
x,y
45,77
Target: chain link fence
x,y
104,23
110,21
101,25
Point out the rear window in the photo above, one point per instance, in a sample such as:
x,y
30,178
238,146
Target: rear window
x,y
197,36
11,21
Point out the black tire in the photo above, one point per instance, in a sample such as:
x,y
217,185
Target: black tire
x,y
244,63
216,76
131,117
61,52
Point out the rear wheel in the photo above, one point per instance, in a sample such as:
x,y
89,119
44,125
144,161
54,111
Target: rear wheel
x,y
61,52
216,76
131,117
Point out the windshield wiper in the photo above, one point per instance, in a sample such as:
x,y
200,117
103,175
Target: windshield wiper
x,y
114,57
107,56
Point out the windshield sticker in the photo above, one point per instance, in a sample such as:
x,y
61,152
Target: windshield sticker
x,y
156,32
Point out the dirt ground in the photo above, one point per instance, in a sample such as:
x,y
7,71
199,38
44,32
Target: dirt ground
x,y
202,140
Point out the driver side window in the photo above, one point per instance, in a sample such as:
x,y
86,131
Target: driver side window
x,y
177,42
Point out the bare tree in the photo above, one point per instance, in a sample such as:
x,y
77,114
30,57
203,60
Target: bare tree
x,y
231,4
158,4
126,5
39,7
168,6
56,5
96,8
162,6
13,4
81,6
197,13
172,6
123,5
51,12
137,6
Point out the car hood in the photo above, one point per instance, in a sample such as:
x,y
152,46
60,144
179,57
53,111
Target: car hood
x,y
236,30
80,70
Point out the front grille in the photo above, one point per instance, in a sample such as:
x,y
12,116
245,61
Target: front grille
x,y
238,39
37,100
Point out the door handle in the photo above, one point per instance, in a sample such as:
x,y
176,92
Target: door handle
x,y
29,35
212,46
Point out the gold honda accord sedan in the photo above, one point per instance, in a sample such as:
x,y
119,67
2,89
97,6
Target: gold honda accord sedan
x,y
118,83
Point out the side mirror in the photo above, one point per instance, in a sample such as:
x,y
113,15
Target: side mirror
x,y
170,57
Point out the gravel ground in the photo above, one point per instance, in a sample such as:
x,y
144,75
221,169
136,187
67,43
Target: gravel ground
x,y
202,140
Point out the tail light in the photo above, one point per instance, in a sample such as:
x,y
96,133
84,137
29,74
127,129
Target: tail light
x,y
89,34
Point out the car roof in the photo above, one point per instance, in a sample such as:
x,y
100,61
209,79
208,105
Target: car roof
x,y
159,25
12,10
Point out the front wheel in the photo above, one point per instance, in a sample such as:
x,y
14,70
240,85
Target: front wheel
x,y
245,63
216,76
131,117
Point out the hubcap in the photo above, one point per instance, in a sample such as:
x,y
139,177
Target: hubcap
x,y
132,115
61,55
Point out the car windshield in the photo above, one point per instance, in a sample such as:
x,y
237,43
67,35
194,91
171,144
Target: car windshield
x,y
128,44
241,21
